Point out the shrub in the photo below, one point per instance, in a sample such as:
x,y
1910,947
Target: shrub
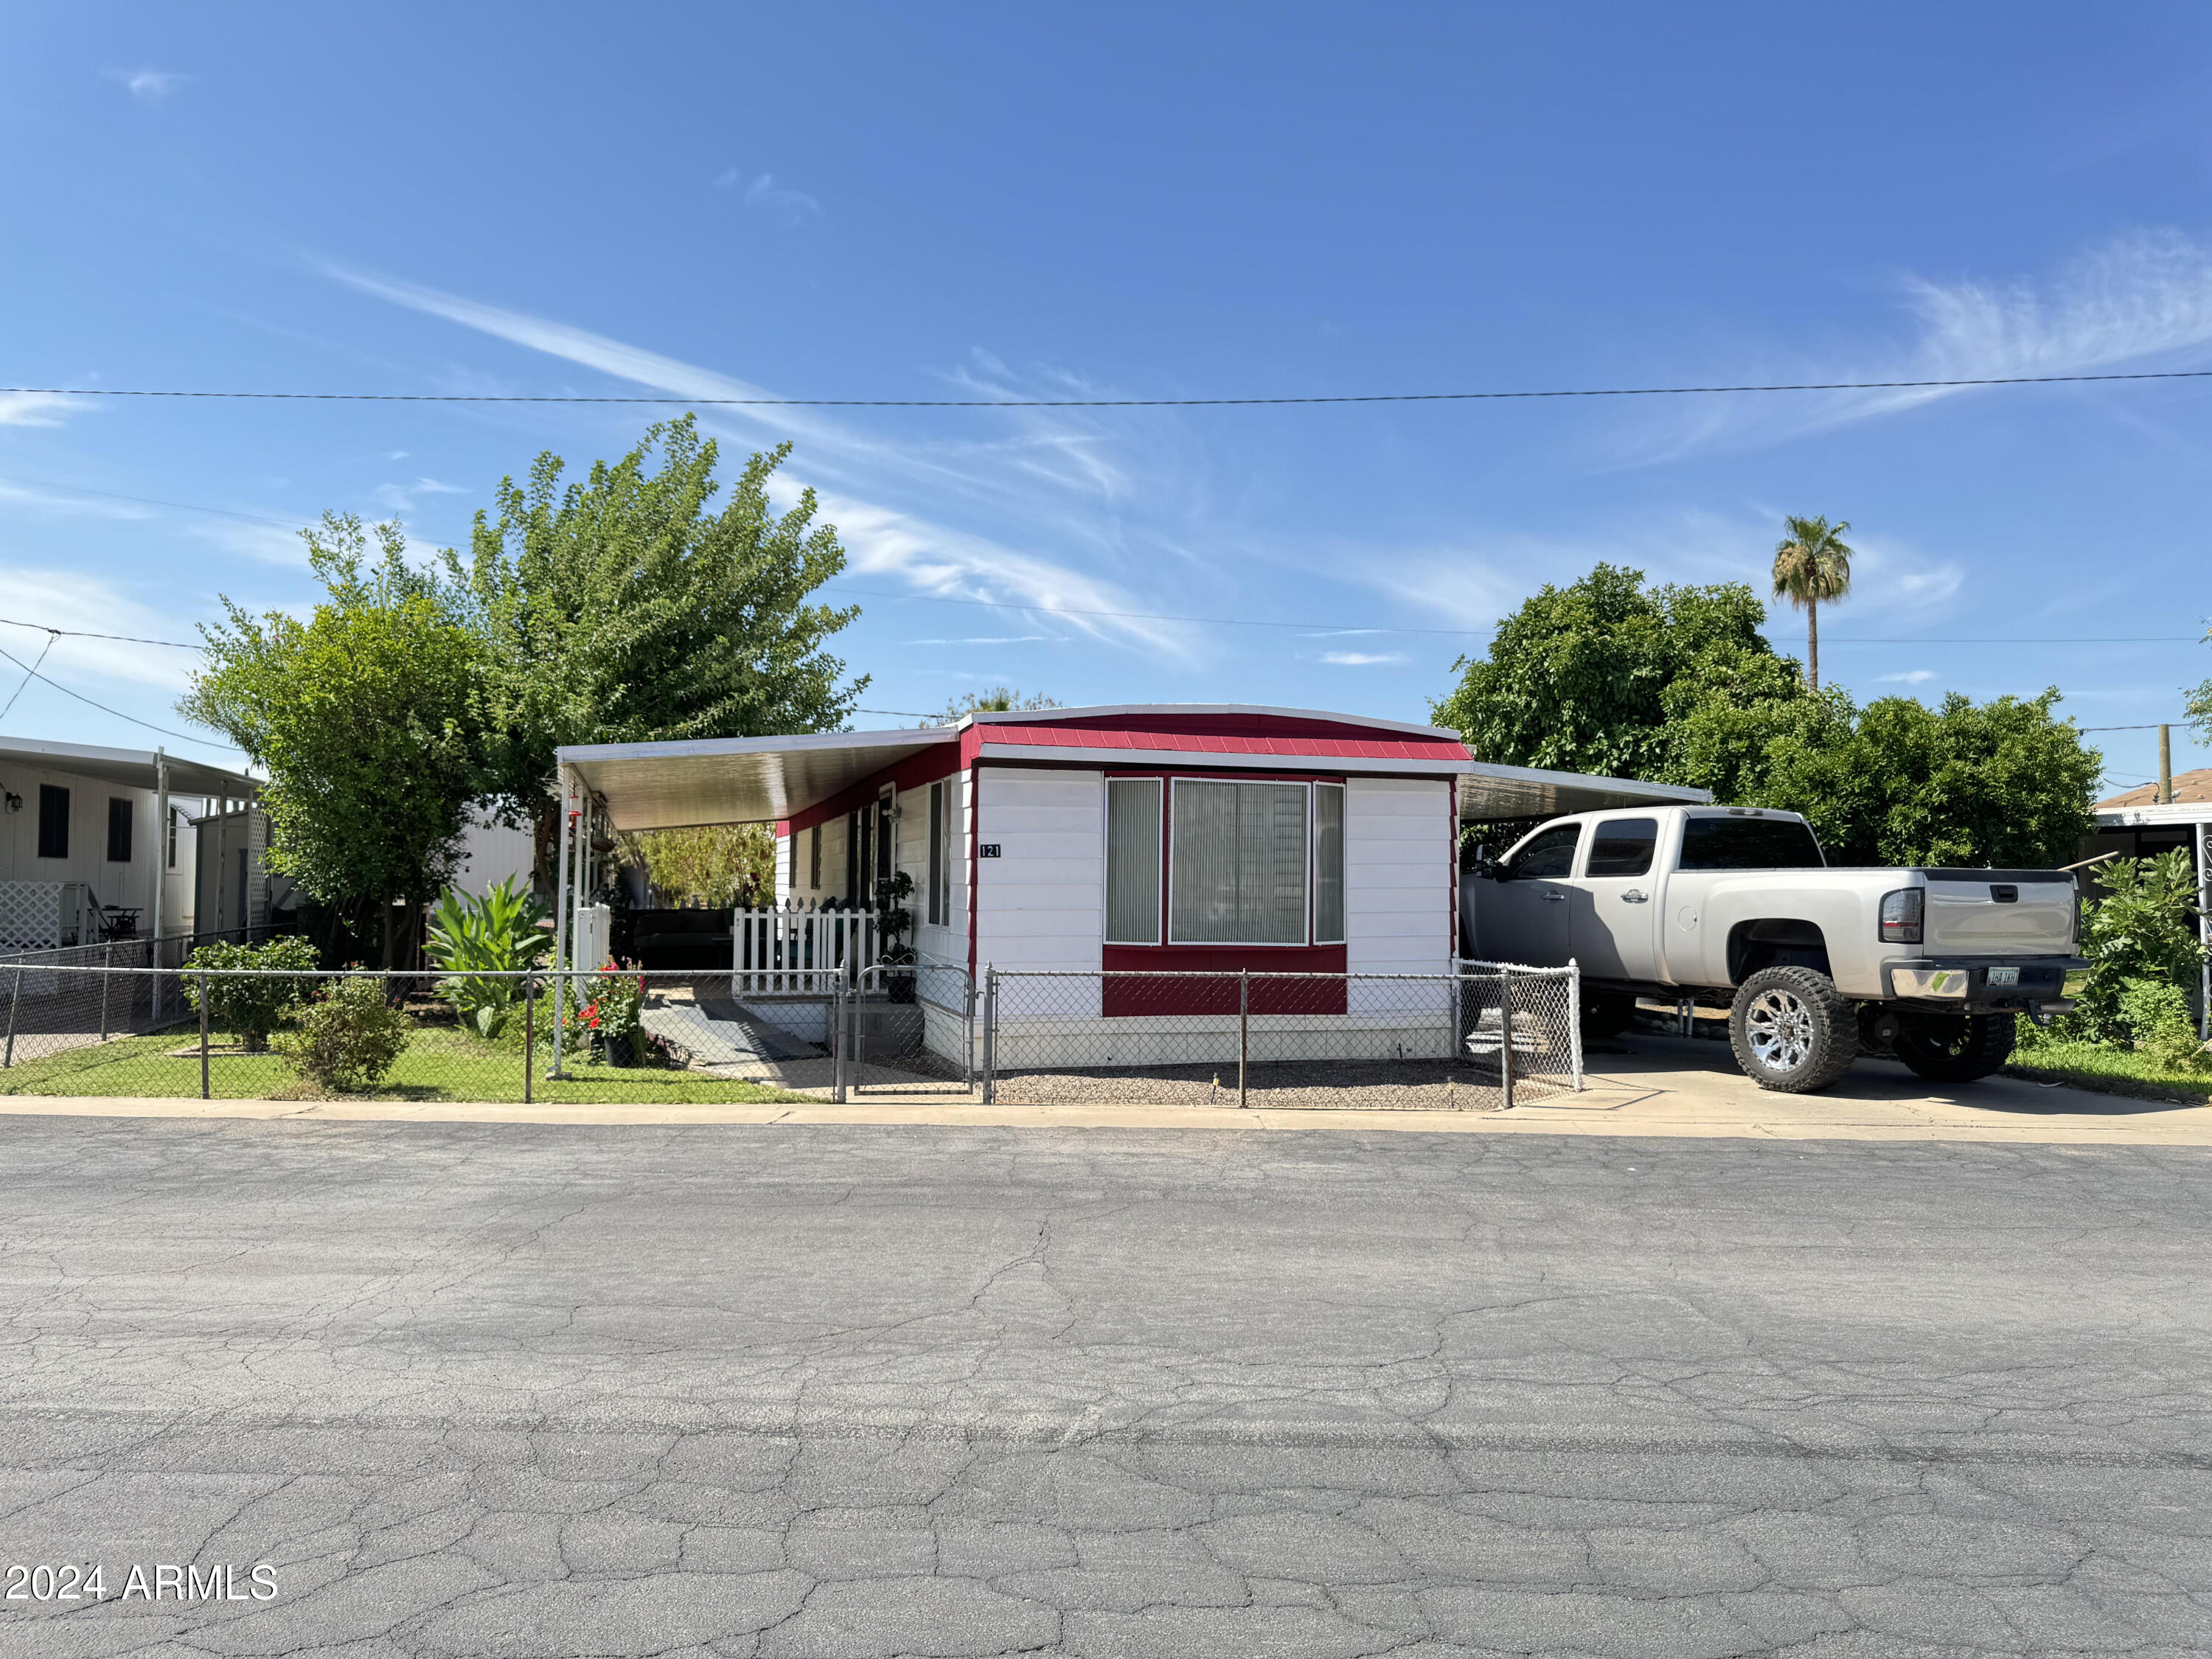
x,y
346,1038
474,937
252,1006
2156,1014
2143,928
610,1010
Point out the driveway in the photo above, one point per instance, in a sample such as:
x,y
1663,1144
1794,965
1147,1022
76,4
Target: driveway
x,y
527,1389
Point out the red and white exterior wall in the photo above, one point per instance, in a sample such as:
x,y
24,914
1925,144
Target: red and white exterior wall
x,y
1034,786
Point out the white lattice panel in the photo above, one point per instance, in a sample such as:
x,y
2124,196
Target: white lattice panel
x,y
30,916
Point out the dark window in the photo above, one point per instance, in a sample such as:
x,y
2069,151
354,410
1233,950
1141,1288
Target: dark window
x,y
173,838
1622,847
1549,853
53,820
814,856
118,832
1734,843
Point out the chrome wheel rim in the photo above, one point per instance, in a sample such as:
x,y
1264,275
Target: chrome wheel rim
x,y
1779,1028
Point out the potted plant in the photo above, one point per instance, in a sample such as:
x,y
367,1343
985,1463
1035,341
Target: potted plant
x,y
894,921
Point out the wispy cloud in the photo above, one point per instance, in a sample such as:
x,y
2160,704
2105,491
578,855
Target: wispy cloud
x,y
1361,658
849,467
996,639
1908,677
33,408
760,191
148,86
401,498
2138,301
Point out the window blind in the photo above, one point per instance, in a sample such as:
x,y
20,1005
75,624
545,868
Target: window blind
x,y
1239,872
1328,864
1132,860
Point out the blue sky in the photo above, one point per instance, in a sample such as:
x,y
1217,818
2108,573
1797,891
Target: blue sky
x,y
1167,202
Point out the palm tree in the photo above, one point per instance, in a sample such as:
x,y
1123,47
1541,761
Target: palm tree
x,y
1811,563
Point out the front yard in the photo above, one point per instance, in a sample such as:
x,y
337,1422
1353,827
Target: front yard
x,y
439,1064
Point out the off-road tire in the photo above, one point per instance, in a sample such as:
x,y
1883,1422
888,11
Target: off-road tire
x,y
1605,1014
1981,1045
1791,1030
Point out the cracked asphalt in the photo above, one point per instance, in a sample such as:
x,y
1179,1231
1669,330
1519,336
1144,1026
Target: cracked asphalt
x,y
523,1390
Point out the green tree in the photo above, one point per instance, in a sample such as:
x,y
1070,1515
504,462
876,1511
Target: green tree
x,y
1812,564
720,864
363,717
998,700
1579,677
2141,931
631,608
2002,782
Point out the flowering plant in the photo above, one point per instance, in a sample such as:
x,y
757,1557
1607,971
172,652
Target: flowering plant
x,y
609,1017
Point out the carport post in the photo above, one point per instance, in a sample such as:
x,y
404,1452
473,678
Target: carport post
x,y
1505,1035
204,1036
561,920
1243,1029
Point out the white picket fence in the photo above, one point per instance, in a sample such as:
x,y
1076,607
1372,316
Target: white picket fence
x,y
796,950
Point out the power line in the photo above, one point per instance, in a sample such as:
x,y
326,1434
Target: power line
x,y
1108,403
83,633
149,501
186,737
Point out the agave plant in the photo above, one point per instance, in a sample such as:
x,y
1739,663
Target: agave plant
x,y
473,939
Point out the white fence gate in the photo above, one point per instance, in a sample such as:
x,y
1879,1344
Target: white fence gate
x,y
794,950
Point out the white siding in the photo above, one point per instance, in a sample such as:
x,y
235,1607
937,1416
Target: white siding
x,y
1398,853
1041,902
130,883
492,852
950,942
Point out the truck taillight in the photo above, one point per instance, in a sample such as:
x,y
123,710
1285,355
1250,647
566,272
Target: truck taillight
x,y
1900,916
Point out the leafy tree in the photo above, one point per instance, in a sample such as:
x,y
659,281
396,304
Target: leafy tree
x,y
1811,564
631,608
2001,782
998,700
720,864
363,716
1578,678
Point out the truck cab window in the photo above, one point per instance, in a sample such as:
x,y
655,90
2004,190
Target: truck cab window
x,y
1734,843
1550,853
1622,847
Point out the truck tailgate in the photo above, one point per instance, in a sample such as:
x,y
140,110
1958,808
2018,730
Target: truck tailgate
x,y
1999,918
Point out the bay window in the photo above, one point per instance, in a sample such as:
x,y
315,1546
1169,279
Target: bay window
x,y
1236,862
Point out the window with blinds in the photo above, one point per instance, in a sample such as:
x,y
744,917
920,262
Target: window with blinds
x,y
1328,864
1132,860
1238,863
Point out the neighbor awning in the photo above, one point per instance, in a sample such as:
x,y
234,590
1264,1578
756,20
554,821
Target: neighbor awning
x,y
677,785
131,767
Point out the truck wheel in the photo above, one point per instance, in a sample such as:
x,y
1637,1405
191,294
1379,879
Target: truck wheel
x,y
1791,1030
1605,1015
1959,1048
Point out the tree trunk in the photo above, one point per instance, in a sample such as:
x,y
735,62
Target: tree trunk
x,y
1812,641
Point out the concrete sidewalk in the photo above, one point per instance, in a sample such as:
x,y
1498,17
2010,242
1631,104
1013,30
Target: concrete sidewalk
x,y
1640,1085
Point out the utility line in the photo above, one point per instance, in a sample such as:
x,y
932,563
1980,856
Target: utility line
x,y
26,680
1110,402
84,633
149,501
205,742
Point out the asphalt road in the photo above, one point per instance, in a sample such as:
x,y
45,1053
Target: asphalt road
x,y
501,1390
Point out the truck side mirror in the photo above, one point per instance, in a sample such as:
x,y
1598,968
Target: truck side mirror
x,y
1486,865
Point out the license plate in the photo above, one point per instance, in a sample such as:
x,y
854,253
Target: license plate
x,y
2004,975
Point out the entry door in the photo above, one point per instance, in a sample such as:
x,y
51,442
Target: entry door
x,y
1611,927
1522,916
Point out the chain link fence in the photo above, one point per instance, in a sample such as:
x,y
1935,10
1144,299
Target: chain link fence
x,y
631,1037
1484,1039
1480,1040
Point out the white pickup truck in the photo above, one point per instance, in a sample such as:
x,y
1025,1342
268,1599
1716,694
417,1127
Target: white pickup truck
x,y
1818,965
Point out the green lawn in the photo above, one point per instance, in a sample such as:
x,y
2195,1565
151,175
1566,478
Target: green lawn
x,y
438,1065
2109,1070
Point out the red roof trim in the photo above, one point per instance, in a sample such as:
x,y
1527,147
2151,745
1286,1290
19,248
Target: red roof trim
x,y
1286,745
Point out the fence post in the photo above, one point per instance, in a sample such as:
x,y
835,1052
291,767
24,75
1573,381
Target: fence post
x,y
107,962
1243,1028
968,1047
529,1035
837,1039
990,1036
1506,1035
204,1036
1575,1017
13,997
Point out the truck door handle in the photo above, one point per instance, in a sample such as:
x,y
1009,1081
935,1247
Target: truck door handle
x,y
1633,897
1550,895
